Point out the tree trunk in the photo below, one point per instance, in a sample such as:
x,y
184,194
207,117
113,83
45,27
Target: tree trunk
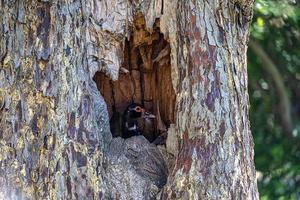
x,y
55,139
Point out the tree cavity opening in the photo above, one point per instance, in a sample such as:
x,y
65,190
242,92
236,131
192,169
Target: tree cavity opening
x,y
145,78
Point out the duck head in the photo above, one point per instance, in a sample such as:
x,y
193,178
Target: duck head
x,y
135,111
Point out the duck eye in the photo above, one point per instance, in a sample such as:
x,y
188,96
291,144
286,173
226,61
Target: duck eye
x,y
138,109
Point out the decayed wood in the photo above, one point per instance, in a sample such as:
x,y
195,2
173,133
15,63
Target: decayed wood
x,y
148,81
54,127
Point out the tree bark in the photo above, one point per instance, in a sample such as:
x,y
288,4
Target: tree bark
x,y
55,140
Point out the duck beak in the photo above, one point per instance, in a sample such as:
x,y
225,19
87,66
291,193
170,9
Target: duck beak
x,y
148,115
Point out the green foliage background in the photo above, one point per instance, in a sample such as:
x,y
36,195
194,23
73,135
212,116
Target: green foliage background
x,y
276,28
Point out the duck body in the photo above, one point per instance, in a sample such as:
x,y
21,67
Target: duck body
x,y
131,131
131,115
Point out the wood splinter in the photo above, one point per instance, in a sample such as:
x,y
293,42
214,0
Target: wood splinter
x,y
163,53
124,70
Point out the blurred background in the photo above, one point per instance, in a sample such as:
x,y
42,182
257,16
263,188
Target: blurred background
x,y
274,88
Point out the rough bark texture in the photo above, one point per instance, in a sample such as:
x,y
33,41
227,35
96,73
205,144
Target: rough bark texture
x,y
55,140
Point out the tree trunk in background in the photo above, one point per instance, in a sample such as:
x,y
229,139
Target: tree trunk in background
x,y
55,140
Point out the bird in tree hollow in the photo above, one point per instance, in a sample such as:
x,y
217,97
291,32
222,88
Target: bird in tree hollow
x,y
131,114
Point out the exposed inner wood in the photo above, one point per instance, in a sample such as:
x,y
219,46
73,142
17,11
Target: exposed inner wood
x,y
145,78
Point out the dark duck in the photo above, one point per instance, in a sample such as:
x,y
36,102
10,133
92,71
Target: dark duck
x,y
131,115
